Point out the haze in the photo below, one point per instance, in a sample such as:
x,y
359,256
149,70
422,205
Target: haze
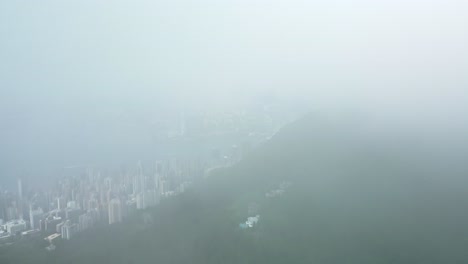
x,y
82,79
233,131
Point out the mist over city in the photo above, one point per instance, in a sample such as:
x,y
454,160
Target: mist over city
x,y
233,131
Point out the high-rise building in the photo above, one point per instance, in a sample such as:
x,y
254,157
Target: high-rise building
x,y
61,203
72,214
51,222
135,185
156,180
69,230
3,214
11,213
13,227
85,221
140,202
163,186
34,217
20,189
115,211
139,180
20,199
59,226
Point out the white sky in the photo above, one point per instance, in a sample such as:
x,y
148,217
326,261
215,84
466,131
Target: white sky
x,y
337,52
62,62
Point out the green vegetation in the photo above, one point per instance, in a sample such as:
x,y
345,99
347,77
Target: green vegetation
x,y
351,202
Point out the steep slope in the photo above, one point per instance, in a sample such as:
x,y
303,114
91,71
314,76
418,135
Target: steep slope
x,y
357,196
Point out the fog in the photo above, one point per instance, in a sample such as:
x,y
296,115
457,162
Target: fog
x,y
353,115
69,70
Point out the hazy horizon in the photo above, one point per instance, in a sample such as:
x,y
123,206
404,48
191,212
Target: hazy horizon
x,y
86,76
233,131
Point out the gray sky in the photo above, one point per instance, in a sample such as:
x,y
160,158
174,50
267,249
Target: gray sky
x,y
63,63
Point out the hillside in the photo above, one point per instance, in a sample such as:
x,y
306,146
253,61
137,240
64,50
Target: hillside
x,y
355,197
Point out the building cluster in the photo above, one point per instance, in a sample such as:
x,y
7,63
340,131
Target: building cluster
x,y
84,198
253,207
88,198
251,222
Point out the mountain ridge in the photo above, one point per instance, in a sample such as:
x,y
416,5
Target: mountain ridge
x,y
351,201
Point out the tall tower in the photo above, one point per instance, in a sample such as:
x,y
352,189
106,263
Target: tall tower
x,y
20,189
141,177
139,180
34,217
61,203
115,211
139,168
20,199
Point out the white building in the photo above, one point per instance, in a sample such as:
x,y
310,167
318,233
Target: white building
x,y
140,203
86,221
34,217
61,203
15,226
20,189
115,211
251,221
139,180
69,230
163,186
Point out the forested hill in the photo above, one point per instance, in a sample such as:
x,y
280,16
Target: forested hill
x,y
354,195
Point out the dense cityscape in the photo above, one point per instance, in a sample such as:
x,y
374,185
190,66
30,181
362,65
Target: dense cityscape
x,y
78,203
83,198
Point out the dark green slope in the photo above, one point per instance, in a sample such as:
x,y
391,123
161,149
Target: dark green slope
x,y
357,196
361,200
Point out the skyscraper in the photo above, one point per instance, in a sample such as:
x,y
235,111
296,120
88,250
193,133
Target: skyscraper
x,y
139,180
13,227
20,189
34,217
115,211
61,203
20,199
3,206
140,201
85,221
69,230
